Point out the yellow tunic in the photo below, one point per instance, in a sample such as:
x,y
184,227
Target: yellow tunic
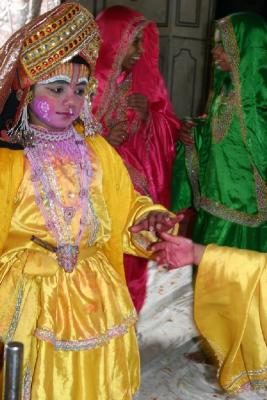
x,y
231,314
77,328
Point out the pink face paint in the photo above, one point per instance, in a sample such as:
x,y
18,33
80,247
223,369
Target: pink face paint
x,y
51,112
43,108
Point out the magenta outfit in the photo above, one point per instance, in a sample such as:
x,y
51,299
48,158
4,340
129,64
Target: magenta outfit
x,y
149,150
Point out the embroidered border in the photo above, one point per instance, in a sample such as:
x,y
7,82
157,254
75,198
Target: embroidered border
x,y
213,207
226,108
119,103
87,344
139,181
27,383
261,191
236,386
254,385
192,167
238,217
15,319
93,219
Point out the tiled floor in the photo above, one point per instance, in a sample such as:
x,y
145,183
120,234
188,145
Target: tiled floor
x,y
166,331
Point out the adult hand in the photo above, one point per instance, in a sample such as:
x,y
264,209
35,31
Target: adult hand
x,y
176,251
118,134
139,103
156,221
184,134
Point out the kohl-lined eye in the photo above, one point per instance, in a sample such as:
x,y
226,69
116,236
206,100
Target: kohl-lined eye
x,y
80,91
56,89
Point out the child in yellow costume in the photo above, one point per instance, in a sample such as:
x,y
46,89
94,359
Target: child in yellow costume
x,y
67,207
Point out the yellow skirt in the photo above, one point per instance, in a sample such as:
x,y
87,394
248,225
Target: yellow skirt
x,y
77,328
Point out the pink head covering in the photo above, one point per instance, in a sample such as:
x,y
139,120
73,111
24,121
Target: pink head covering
x,y
118,26
149,151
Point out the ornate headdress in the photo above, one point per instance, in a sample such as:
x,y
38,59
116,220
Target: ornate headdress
x,y
37,49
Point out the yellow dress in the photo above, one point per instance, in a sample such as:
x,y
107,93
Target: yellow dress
x,y
231,314
77,328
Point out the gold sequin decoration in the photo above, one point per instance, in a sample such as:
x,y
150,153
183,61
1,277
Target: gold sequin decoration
x,y
14,323
255,379
27,383
221,121
90,343
72,33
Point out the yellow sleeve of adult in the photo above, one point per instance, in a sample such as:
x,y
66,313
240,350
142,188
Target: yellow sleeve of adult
x,y
230,311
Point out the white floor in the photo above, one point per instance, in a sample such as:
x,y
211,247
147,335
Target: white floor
x,y
166,331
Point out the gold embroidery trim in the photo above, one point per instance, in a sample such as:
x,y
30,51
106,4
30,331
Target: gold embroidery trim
x,y
90,343
213,207
15,319
254,380
139,181
76,31
221,122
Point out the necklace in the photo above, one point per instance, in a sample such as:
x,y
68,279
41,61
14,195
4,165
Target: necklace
x,y
58,216
42,135
56,142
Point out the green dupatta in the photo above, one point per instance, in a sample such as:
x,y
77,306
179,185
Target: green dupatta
x,y
227,168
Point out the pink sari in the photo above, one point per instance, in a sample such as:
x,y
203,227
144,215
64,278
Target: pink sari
x,y
149,151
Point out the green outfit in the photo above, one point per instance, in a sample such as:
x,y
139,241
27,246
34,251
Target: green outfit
x,y
227,167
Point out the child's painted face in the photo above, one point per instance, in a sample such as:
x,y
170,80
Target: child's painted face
x,y
134,52
58,100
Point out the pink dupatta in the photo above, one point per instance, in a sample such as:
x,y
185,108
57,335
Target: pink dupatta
x,y
149,151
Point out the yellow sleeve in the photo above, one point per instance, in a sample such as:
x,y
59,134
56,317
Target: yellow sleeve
x,y
230,311
11,172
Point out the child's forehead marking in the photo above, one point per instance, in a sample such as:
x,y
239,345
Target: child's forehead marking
x,y
68,73
56,78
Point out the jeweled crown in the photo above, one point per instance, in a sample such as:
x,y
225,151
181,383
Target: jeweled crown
x,y
71,31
